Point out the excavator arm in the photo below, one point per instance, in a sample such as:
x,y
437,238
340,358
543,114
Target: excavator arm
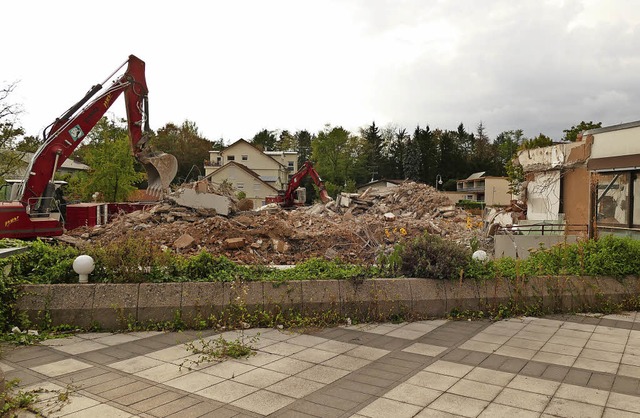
x,y
69,130
306,170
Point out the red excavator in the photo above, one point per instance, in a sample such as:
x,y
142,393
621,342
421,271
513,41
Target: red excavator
x,y
287,198
33,214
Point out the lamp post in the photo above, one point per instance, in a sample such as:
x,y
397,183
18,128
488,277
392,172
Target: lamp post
x,y
438,181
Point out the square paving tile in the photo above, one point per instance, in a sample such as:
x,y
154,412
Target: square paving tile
x,y
481,346
425,349
228,369
337,347
296,387
568,408
524,343
260,378
80,347
102,410
459,405
367,353
5,367
628,370
194,381
554,358
383,408
346,362
517,352
624,402
323,374
495,410
288,365
449,369
283,348
533,384
116,339
596,365
307,340
476,390
480,374
136,364
227,391
313,355
163,372
432,380
61,367
413,394
524,400
405,334
601,355
263,402
582,394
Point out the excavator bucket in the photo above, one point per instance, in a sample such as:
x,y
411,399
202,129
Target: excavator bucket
x,y
161,170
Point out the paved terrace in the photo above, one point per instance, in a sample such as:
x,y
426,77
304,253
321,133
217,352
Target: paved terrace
x,y
567,366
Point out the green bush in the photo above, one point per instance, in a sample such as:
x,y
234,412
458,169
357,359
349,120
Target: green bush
x,y
44,263
206,267
131,260
430,256
470,204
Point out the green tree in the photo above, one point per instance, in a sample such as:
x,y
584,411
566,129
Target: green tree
x,y
112,170
571,134
190,148
286,142
338,157
10,131
303,140
507,144
265,140
29,144
373,149
412,159
538,142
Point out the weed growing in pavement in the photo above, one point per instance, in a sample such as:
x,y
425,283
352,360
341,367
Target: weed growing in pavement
x,y
219,349
17,401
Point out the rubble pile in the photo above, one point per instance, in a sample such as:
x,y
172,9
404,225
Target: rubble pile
x,y
354,228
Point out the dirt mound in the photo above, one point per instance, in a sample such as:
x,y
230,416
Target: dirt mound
x,y
354,227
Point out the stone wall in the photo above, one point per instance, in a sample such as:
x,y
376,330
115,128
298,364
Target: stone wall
x,y
113,306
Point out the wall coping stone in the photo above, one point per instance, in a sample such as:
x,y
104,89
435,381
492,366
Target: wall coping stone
x,y
373,299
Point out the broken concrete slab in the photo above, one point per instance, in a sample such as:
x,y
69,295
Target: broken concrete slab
x,y
192,199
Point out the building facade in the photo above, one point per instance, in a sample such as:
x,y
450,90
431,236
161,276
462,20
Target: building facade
x,y
492,190
256,173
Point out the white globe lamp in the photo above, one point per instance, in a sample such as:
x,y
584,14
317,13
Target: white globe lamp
x,y
83,265
480,255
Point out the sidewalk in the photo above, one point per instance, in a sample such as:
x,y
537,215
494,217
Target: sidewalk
x,y
568,366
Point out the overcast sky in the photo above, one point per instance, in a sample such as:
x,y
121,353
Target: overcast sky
x,y
237,67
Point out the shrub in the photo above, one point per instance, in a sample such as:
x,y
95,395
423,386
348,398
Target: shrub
x,y
131,260
206,267
430,256
44,263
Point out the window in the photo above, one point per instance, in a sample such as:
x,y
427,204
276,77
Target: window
x,y
256,187
636,199
231,157
240,186
245,157
612,199
218,160
291,165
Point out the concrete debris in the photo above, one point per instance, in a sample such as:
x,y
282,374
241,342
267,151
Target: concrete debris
x,y
355,233
183,242
234,243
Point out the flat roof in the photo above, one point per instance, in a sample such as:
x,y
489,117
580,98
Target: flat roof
x,y
612,128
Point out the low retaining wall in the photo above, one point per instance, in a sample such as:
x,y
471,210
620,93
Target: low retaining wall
x,y
113,306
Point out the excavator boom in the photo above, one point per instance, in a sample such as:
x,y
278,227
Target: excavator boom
x,y
66,133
